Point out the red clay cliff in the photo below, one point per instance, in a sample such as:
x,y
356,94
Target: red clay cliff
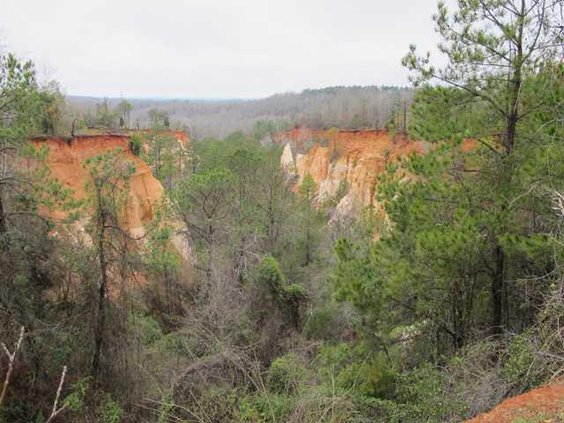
x,y
336,157
66,160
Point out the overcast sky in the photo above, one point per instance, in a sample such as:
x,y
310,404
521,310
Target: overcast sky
x,y
216,48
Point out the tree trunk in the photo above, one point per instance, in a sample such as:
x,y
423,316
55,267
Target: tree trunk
x,y
498,282
210,240
515,85
270,224
99,329
101,317
3,223
308,244
3,226
239,265
405,117
510,133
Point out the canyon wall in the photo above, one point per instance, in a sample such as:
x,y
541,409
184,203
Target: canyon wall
x,y
343,163
66,161
67,157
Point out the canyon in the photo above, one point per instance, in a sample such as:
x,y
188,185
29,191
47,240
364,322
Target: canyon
x,y
344,165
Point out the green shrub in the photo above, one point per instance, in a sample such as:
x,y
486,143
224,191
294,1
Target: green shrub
x,y
148,329
266,408
111,411
75,400
275,289
176,343
376,378
136,144
294,292
421,396
323,324
215,404
357,368
285,374
166,409
520,360
331,360
270,275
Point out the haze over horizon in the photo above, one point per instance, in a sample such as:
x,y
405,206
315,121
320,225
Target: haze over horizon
x,y
215,50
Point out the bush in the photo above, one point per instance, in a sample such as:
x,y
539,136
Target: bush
x,y
357,369
375,378
323,324
285,375
270,275
520,360
265,407
274,288
135,144
331,360
111,411
148,329
421,396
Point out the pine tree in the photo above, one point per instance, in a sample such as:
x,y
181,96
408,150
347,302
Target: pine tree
x,y
492,47
108,189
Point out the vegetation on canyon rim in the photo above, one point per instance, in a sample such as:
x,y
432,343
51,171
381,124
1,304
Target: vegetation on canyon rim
x,y
282,316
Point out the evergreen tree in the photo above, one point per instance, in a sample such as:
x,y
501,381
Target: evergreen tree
x,y
108,190
492,47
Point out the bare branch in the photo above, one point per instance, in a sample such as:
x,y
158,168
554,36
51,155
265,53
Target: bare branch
x,y
11,359
58,410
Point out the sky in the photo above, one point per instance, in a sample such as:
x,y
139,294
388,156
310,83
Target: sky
x,y
215,48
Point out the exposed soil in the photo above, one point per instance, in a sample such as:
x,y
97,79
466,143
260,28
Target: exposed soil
x,y
540,405
354,157
66,160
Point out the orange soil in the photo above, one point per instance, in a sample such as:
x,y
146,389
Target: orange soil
x,y
354,156
545,403
66,161
345,141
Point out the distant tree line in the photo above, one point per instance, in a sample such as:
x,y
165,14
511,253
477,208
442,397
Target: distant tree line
x,y
344,107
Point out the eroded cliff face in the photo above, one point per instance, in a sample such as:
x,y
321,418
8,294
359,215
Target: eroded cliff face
x,y
66,160
343,162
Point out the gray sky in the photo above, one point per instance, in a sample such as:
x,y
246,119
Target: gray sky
x,y
216,48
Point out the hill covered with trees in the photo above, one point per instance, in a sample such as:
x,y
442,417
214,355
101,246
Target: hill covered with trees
x,y
342,107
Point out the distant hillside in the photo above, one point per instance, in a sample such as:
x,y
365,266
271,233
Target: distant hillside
x,y
343,107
